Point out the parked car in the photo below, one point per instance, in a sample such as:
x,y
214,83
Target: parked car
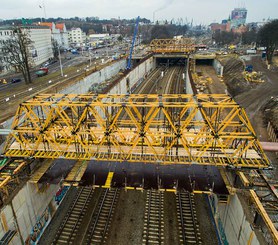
x,y
46,64
52,61
15,80
42,72
68,57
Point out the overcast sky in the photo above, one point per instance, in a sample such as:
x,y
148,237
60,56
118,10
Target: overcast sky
x,y
202,11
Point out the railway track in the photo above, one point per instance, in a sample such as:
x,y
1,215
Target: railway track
x,y
154,223
189,228
67,232
148,83
101,217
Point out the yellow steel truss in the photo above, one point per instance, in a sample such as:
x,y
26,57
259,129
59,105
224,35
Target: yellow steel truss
x,y
183,45
9,176
171,129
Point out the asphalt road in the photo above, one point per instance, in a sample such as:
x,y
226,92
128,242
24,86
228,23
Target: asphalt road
x,y
102,53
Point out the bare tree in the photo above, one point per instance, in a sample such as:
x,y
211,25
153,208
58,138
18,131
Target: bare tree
x,y
16,49
55,48
268,37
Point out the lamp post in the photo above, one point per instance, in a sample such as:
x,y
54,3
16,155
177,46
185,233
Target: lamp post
x,y
61,67
90,58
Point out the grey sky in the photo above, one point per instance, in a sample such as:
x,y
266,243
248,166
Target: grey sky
x,y
202,11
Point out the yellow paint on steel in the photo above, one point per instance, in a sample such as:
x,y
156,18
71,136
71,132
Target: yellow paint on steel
x,y
76,172
202,192
243,178
265,216
4,222
5,181
41,171
250,238
169,129
109,180
170,190
19,167
182,45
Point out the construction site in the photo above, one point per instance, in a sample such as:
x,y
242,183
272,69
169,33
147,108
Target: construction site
x,y
172,146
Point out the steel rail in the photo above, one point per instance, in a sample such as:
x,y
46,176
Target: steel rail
x,y
98,214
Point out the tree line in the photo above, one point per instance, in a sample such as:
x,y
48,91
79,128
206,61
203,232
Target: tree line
x,y
16,51
266,36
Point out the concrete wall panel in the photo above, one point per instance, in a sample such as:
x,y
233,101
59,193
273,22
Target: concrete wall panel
x,y
237,228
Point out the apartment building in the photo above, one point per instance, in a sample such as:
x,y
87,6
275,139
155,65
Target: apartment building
x,y
59,33
40,49
76,37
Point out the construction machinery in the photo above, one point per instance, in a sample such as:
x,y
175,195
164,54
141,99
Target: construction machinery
x,y
128,67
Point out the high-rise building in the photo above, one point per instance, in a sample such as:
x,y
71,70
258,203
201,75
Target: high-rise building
x,y
238,17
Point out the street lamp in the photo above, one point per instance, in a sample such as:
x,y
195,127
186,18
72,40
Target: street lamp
x,y
61,67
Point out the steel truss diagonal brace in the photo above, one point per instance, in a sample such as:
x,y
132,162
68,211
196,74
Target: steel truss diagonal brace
x,y
171,129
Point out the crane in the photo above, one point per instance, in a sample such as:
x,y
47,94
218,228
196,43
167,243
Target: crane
x,y
128,67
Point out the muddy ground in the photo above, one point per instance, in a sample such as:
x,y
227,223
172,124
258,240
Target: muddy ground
x,y
260,100
257,98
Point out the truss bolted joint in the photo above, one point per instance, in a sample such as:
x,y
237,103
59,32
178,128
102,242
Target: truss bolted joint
x,y
107,133
216,136
178,135
142,134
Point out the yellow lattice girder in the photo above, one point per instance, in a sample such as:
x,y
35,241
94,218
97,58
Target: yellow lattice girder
x,y
171,129
265,216
182,45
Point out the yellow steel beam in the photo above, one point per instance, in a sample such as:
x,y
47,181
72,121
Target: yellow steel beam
x,y
265,216
183,45
76,173
108,180
41,171
174,128
243,178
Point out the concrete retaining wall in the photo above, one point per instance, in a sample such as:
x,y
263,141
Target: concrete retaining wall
x,y
190,89
83,85
132,79
24,211
135,76
219,68
232,222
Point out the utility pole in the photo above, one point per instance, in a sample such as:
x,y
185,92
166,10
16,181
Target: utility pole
x,y
61,67
90,57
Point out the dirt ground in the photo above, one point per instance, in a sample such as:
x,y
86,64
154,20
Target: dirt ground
x,y
257,99
254,101
128,221
260,102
